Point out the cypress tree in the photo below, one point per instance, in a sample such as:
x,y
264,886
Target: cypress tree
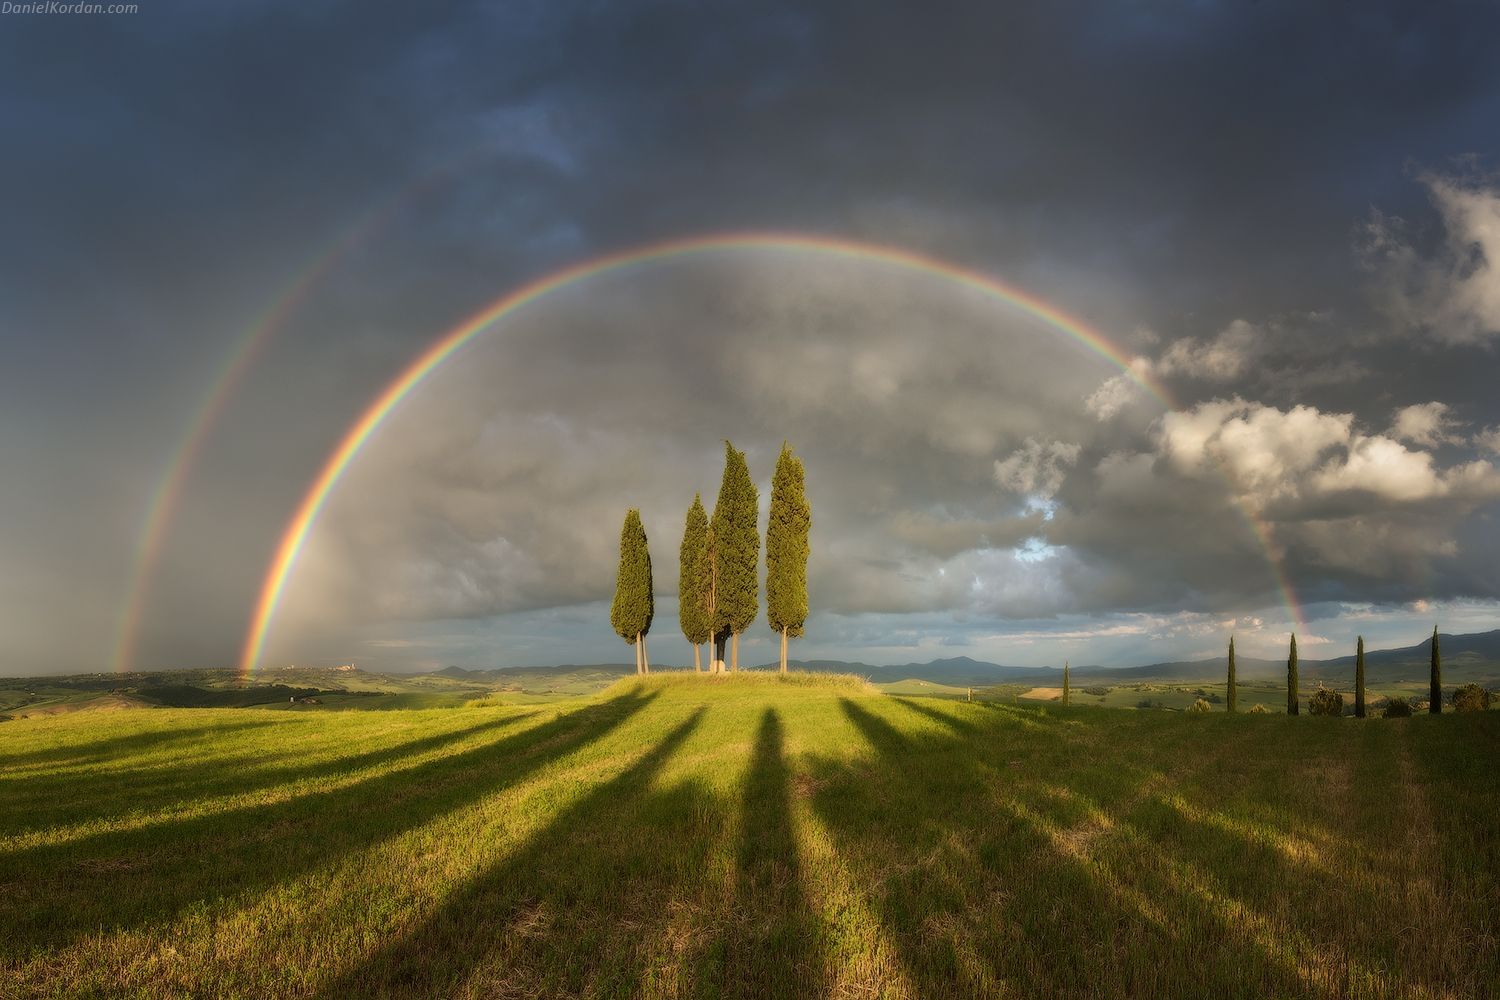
x,y
1435,704
692,580
633,606
1291,678
1067,690
1359,678
1229,701
736,552
787,549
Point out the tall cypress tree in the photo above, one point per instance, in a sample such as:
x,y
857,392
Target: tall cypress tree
x,y
633,606
1435,703
736,555
1359,678
787,549
1291,678
1067,689
693,581
1231,697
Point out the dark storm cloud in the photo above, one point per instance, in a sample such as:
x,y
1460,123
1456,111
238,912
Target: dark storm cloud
x,y
1172,169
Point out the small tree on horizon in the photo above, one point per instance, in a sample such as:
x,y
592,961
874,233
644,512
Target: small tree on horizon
x,y
631,612
787,549
1067,688
736,553
1291,678
1229,701
1359,678
693,582
1435,697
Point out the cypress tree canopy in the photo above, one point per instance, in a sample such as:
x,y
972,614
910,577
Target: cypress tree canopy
x,y
736,546
1231,699
1435,688
1291,678
631,612
787,546
1359,679
693,579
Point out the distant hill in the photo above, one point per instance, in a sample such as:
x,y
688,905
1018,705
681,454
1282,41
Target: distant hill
x,y
1465,653
1476,652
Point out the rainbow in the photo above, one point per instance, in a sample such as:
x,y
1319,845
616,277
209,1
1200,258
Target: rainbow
x,y
249,345
448,344
162,507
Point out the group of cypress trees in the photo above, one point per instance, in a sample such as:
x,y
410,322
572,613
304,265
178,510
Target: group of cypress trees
x,y
718,581
1435,703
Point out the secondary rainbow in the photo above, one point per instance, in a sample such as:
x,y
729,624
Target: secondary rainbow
x,y
249,345
246,350
354,440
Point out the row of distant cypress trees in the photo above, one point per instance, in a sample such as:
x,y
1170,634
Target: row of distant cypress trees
x,y
1435,680
718,581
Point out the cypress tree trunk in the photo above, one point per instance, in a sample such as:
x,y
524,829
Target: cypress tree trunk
x,y
1229,704
645,660
734,653
637,645
697,663
1435,703
720,638
1359,679
783,649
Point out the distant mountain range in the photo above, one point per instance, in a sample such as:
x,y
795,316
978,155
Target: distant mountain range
x,y
1481,649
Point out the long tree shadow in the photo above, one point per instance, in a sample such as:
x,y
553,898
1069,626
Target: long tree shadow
x,y
953,722
98,750
1176,863
774,947
535,924
991,886
57,800
147,876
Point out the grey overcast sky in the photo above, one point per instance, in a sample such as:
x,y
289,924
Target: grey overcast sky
x,y
1288,214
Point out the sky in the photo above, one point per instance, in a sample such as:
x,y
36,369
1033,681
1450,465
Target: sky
x,y
228,227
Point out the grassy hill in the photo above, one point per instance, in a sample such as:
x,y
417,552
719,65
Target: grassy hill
x,y
748,836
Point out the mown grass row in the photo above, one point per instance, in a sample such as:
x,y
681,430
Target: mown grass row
x,y
749,835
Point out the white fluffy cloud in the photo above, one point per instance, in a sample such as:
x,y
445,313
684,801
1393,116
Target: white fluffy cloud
x,y
1453,295
1112,396
1273,456
1037,469
1223,358
1425,424
1264,452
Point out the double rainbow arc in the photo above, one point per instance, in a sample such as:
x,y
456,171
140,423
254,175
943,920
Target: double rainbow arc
x,y
296,533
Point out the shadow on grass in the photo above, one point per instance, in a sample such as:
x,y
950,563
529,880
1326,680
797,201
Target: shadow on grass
x,y
1069,877
148,876
114,747
953,722
774,949
576,909
57,800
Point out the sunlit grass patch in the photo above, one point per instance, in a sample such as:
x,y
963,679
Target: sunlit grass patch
x,y
686,835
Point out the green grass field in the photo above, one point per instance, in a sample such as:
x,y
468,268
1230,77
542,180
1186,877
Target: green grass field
x,y
748,836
